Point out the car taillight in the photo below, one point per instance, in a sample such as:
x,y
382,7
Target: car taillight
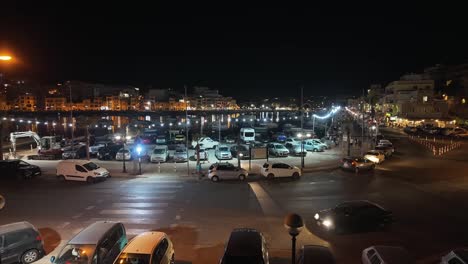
x,y
38,238
353,163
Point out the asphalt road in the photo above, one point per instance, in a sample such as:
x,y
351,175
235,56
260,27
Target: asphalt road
x,y
198,215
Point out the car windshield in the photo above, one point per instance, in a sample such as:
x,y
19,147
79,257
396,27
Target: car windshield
x,y
159,151
179,151
243,259
224,149
249,134
23,163
266,165
123,151
75,254
280,147
372,153
91,166
132,258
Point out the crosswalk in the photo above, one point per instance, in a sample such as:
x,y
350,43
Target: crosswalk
x,y
143,204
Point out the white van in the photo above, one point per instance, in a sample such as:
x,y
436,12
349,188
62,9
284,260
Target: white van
x,y
160,154
81,170
247,134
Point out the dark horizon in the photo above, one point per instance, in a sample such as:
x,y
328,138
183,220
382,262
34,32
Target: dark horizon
x,y
242,52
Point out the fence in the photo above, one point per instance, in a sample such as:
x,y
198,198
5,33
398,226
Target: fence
x,y
436,146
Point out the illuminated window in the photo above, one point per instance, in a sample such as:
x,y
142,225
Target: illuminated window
x,y
425,98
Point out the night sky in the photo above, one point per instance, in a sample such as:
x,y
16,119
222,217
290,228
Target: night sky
x,y
241,50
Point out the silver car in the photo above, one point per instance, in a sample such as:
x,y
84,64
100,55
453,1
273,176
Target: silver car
x,y
226,171
180,154
222,152
278,150
296,149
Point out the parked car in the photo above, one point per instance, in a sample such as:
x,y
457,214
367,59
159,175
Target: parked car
x,y
319,143
293,140
109,152
457,256
20,243
161,140
384,141
202,154
148,247
387,151
94,149
226,171
247,134
386,254
245,245
18,169
296,149
277,150
205,142
229,139
313,254
81,170
280,137
357,164
101,242
243,150
375,156
311,145
124,153
222,152
180,154
354,215
179,138
75,152
274,170
160,154
387,145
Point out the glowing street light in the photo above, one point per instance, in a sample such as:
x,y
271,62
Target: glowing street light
x,y
5,57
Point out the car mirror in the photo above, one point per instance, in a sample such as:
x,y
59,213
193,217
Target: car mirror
x,y
52,259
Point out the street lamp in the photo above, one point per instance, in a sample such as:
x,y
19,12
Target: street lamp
x,y
5,57
294,225
139,149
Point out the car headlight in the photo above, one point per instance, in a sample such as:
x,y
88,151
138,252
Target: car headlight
x,y
316,216
327,223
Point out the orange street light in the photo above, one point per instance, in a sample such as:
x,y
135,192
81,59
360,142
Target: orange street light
x,y
5,57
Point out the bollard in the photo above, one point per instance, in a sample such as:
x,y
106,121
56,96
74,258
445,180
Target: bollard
x,y
31,147
433,151
434,139
159,167
175,166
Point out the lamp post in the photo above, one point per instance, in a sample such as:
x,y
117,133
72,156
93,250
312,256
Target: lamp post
x,y
294,224
3,58
301,137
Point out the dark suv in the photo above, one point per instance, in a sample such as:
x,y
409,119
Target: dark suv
x,y
18,169
247,246
108,152
20,242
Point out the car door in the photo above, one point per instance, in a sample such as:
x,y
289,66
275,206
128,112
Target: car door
x,y
78,173
276,170
14,246
231,172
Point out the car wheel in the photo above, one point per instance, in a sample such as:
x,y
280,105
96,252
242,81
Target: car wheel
x,y
214,179
90,179
315,150
61,178
295,175
242,177
30,256
270,176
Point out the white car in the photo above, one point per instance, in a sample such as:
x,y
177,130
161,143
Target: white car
x,y
273,170
80,170
160,154
319,143
223,152
375,156
205,142
124,154
384,141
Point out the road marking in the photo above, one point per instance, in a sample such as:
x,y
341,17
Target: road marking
x,y
166,197
90,207
65,224
139,205
136,231
269,206
131,212
129,221
77,216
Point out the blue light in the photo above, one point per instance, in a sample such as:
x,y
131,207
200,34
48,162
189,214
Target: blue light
x,y
139,149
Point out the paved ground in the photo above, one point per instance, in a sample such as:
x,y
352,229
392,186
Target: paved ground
x,y
427,195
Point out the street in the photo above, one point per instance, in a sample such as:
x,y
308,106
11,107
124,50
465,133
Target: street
x,y
427,195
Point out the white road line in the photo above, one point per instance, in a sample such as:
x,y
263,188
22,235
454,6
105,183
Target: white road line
x,y
77,216
129,221
130,212
62,226
136,231
269,206
139,197
91,207
139,205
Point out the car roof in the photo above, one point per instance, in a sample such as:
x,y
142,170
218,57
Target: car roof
x,y
391,254
244,242
16,226
77,162
144,243
317,255
93,233
462,253
360,203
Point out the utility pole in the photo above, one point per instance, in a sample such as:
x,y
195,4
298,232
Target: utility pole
x,y
362,128
87,142
124,170
186,130
302,128
219,129
71,117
